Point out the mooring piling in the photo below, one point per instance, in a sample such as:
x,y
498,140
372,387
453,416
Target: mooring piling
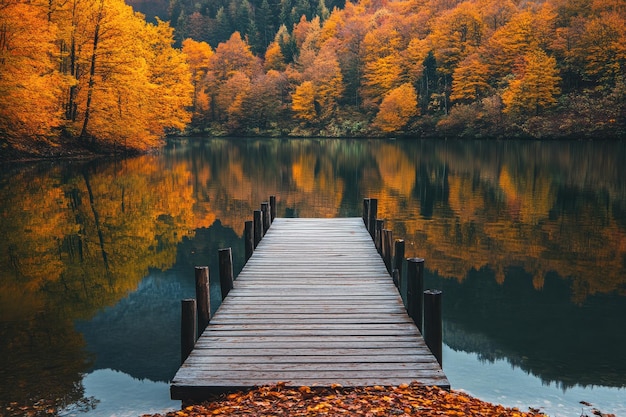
x,y
433,334
226,271
188,327
248,238
203,298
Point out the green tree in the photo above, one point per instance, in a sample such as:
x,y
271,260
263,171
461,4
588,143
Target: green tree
x,y
265,22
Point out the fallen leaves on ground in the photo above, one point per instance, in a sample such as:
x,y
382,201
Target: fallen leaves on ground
x,y
404,400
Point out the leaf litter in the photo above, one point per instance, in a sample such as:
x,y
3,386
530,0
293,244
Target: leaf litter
x,y
403,400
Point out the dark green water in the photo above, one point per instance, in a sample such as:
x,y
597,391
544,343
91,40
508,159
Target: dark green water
x,y
526,239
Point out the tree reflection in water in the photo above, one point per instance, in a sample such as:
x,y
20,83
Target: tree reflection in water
x,y
527,240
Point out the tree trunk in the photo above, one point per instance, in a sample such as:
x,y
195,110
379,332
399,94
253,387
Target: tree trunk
x,y
92,72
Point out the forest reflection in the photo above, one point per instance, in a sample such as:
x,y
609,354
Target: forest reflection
x,y
81,236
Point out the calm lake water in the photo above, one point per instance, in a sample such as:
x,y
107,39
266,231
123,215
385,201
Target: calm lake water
x,y
527,240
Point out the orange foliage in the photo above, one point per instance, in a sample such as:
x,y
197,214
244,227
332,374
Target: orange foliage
x,y
303,101
96,69
402,400
470,79
535,86
233,56
29,86
398,106
274,59
198,55
457,33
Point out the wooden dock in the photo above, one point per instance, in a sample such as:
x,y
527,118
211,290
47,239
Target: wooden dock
x,y
313,306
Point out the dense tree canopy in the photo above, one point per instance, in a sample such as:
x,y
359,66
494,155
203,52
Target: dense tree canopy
x,y
475,66
96,71
89,69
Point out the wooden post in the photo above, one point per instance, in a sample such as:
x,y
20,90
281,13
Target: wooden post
x,y
188,327
433,334
366,209
395,275
203,297
415,289
248,238
265,213
372,214
398,251
226,271
378,235
258,227
272,208
388,248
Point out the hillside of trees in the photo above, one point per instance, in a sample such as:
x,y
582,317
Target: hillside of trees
x,y
95,73
420,67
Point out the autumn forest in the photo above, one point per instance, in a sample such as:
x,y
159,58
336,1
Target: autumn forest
x,y
95,74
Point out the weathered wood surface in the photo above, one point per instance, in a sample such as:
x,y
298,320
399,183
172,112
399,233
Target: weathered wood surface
x,y
313,306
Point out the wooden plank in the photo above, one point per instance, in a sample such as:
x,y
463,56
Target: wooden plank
x,y
203,365
381,328
308,339
300,360
314,305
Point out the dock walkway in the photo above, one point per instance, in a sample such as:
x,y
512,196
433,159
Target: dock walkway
x,y
313,306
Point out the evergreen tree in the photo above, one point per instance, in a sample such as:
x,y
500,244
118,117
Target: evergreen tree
x,y
265,23
223,26
254,39
285,13
322,10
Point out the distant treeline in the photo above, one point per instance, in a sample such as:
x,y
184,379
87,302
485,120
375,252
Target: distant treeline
x,y
93,72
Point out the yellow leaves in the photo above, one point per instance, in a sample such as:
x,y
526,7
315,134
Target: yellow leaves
x,y
602,46
456,33
398,106
99,64
382,75
470,79
535,86
198,55
274,59
405,400
303,101
320,407
29,87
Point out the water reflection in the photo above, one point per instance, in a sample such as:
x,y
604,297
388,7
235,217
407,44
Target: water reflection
x,y
527,239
